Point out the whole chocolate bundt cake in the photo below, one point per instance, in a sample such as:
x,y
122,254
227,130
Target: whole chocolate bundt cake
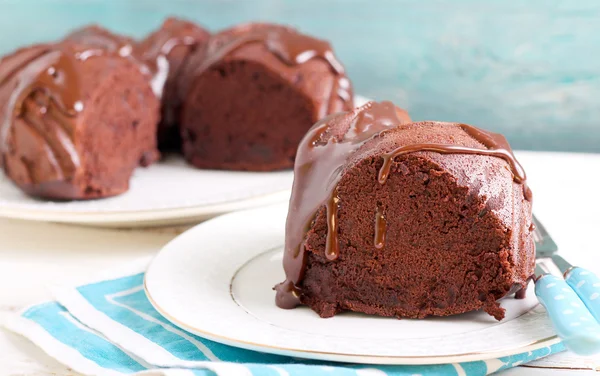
x,y
165,52
75,120
77,116
394,218
253,92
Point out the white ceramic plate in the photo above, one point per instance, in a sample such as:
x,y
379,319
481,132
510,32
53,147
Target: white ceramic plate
x,y
216,281
169,192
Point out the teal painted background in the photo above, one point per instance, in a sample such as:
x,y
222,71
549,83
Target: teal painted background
x,y
529,69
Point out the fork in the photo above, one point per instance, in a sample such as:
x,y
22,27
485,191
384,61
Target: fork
x,y
571,295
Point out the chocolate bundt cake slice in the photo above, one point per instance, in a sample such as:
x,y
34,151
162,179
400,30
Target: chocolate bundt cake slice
x,y
394,218
253,92
75,120
165,52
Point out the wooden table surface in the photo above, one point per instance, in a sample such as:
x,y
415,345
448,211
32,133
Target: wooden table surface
x,y
34,255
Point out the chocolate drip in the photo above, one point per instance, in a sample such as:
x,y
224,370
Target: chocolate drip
x,y
100,41
380,228
332,245
40,115
51,73
11,65
318,169
157,61
48,86
321,159
496,145
52,81
521,291
165,45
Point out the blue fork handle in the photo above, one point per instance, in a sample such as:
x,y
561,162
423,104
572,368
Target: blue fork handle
x,y
587,285
572,320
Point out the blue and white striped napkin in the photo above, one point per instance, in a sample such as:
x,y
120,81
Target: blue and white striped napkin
x,y
108,327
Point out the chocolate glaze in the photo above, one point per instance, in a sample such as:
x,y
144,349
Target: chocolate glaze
x,y
496,145
166,44
166,52
11,65
519,290
99,40
522,292
380,228
290,46
157,61
318,168
286,43
321,161
51,79
102,39
50,75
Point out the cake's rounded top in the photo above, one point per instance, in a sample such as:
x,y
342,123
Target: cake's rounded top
x,y
283,50
337,143
289,45
158,50
94,36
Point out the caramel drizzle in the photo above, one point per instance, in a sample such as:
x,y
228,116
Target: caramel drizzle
x,y
319,162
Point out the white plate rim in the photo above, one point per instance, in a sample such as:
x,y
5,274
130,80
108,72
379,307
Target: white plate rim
x,y
326,355
143,217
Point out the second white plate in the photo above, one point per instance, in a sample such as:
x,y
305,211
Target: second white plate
x,y
216,281
170,192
